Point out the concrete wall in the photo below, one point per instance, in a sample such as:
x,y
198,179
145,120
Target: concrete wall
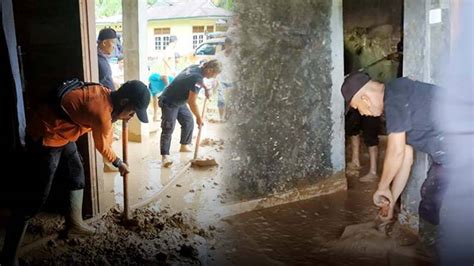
x,y
426,46
286,129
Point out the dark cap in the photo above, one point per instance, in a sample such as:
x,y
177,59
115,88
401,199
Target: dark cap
x,y
107,33
352,84
139,95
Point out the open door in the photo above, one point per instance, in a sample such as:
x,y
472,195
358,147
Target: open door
x,y
57,40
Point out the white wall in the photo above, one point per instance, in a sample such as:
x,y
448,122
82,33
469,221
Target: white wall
x,y
182,29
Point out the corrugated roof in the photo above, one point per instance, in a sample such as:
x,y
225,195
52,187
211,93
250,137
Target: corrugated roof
x,y
178,9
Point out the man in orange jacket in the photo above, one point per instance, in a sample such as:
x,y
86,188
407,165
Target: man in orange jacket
x,y
52,133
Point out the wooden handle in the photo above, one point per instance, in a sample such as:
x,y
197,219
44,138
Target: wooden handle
x,y
198,139
126,206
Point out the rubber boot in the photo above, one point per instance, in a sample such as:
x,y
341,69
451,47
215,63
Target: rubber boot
x,y
13,238
74,222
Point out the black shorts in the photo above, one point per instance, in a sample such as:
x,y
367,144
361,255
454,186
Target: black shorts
x,y
370,127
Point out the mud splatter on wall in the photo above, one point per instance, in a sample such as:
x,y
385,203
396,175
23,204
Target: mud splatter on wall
x,y
281,127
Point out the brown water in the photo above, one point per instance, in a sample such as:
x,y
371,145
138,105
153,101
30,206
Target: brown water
x,y
308,233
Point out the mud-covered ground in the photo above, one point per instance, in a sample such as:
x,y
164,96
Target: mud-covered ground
x,y
151,237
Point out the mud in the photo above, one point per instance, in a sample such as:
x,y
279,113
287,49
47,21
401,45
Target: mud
x,y
151,237
336,229
211,142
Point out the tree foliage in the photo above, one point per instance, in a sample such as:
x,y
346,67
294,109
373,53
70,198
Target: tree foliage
x,y
226,4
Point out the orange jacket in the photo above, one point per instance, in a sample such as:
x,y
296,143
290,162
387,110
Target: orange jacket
x,y
90,109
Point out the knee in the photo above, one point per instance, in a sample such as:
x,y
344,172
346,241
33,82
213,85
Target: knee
x,y
188,122
167,127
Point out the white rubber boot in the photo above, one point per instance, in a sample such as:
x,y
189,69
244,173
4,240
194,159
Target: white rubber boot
x,y
74,222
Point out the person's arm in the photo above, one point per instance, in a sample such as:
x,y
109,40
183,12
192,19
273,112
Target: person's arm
x,y
164,78
392,163
206,89
192,101
102,134
102,70
400,181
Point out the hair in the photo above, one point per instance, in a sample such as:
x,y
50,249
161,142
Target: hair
x,y
213,64
116,98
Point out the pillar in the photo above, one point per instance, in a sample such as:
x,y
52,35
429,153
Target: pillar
x,y
135,55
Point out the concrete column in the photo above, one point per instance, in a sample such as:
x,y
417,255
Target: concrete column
x,y
426,45
134,23
286,132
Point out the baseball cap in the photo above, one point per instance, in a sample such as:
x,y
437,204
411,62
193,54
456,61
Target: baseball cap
x,y
352,84
139,95
106,33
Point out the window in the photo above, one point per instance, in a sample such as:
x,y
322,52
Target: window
x,y
199,34
162,38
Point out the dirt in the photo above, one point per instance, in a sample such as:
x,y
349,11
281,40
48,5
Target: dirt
x,y
151,237
211,142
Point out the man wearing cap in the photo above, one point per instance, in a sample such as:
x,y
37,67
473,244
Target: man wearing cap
x,y
408,110
105,47
51,143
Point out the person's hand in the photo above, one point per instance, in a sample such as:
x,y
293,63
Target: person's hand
x,y
199,122
207,93
383,199
123,169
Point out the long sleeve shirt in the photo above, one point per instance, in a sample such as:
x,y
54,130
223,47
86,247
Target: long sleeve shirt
x,y
89,109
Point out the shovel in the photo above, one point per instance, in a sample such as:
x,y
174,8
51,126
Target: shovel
x,y
201,162
126,205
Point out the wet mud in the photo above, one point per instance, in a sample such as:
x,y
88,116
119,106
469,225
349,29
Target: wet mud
x,y
337,229
151,237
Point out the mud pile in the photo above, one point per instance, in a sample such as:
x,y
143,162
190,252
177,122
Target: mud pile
x,y
150,237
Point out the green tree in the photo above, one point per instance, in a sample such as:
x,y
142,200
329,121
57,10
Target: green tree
x,y
226,4
107,8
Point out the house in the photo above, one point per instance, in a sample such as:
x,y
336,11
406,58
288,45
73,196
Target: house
x,y
189,20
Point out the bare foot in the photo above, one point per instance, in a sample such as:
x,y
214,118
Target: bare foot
x,y
370,177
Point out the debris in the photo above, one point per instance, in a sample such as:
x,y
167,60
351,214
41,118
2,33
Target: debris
x,y
152,237
211,142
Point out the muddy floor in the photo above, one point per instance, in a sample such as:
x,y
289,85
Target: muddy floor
x,y
336,229
152,237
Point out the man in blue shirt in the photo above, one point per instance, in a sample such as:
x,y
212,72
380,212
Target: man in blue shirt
x,y
410,125
105,46
183,90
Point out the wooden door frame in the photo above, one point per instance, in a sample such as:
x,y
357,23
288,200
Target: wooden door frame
x,y
94,184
